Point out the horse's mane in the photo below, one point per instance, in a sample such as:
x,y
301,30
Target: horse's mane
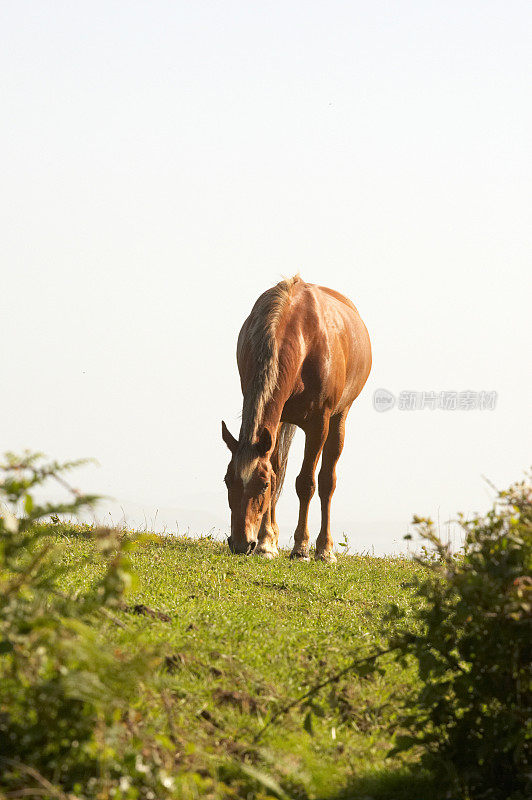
x,y
260,336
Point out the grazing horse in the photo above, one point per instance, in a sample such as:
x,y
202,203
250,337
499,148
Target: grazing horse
x,y
303,356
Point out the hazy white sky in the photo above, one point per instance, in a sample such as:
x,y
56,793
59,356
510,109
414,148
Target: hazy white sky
x,y
165,162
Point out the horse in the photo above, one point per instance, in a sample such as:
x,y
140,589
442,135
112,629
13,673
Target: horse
x,y
303,356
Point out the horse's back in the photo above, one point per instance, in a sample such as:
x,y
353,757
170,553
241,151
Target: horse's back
x,y
339,297
315,330
331,313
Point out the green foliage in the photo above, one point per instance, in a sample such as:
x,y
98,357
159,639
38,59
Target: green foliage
x,y
472,645
66,694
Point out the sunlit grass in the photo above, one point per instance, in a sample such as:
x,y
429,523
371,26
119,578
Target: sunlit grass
x,y
245,637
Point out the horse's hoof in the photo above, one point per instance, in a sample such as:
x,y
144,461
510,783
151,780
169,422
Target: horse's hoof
x,y
267,554
298,555
327,556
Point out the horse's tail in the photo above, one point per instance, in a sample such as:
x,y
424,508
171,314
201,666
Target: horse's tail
x,y
284,440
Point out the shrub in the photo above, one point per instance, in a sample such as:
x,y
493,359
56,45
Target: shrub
x,y
472,645
66,694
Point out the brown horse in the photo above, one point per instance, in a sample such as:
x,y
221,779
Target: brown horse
x,y
303,356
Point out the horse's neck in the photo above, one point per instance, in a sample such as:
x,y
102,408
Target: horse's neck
x,y
255,419
267,413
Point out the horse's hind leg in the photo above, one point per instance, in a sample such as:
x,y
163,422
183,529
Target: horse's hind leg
x,y
305,484
275,526
275,466
327,483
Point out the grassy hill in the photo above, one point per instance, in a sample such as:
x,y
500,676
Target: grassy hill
x,y
241,638
157,668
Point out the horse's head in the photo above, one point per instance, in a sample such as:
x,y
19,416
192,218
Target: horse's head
x,y
250,482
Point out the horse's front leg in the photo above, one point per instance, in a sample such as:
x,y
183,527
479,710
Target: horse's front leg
x,y
316,434
268,536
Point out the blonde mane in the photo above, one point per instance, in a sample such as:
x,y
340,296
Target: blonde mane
x,y
260,335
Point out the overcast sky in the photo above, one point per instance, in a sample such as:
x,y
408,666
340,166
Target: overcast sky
x,y
163,163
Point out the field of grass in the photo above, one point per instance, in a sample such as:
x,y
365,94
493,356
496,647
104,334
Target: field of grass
x,y
243,637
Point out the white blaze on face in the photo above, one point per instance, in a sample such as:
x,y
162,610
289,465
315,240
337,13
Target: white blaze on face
x,y
246,472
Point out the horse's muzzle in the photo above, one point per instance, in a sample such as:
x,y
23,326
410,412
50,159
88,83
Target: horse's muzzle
x,y
247,549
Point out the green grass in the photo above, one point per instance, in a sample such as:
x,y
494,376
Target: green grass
x,y
247,636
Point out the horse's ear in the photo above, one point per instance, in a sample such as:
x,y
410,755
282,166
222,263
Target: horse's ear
x,y
265,443
228,438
